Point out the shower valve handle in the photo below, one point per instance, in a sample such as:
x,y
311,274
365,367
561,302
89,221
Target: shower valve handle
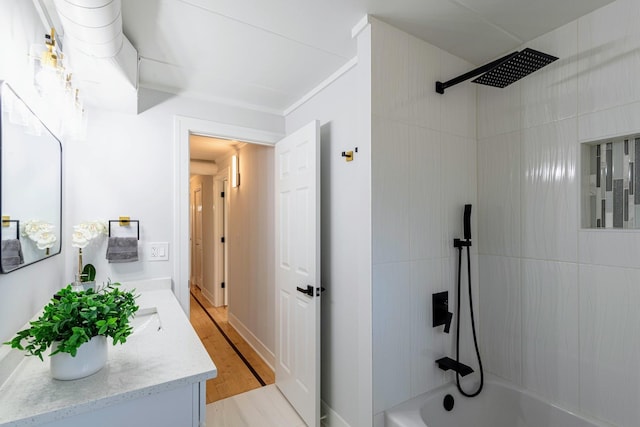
x,y
441,313
447,324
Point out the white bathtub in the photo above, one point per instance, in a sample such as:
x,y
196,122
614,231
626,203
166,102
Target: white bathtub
x,y
499,405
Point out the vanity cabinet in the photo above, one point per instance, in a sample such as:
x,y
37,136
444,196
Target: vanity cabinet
x,y
156,379
177,407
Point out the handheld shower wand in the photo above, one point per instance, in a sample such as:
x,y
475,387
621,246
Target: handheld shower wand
x,y
457,243
460,243
467,222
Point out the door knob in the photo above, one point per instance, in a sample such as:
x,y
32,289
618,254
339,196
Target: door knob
x,y
308,291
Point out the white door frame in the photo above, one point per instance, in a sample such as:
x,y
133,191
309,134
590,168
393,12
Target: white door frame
x,y
183,127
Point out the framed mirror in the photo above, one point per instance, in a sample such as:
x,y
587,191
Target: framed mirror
x,y
30,185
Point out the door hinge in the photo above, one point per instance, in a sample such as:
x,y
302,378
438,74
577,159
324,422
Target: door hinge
x,y
222,285
222,239
222,194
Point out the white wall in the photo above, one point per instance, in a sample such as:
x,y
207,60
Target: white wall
x,y
251,244
345,241
125,167
23,292
558,303
423,171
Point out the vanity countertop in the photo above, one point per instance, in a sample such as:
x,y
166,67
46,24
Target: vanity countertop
x,y
149,362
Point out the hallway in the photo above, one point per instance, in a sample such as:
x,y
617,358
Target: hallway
x,y
240,369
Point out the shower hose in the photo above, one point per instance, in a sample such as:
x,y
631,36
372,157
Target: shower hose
x,y
473,325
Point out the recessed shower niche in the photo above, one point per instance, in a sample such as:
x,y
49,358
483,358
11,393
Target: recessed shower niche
x,y
610,183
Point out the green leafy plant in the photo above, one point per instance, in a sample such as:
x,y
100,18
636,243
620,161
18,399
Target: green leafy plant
x,y
73,318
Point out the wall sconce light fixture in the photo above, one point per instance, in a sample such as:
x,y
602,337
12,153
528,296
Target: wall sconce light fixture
x,y
235,174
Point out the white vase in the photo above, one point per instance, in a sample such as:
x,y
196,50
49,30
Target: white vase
x,y
88,285
90,358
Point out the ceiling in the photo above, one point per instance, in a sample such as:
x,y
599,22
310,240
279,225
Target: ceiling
x,y
266,55
211,149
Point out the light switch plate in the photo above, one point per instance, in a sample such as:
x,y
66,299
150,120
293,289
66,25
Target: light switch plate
x,y
158,251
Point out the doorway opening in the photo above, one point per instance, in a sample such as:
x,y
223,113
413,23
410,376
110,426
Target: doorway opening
x,y
221,234
210,169
293,332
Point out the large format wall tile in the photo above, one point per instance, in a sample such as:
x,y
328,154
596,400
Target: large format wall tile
x,y
610,344
615,121
424,103
391,334
550,330
613,22
425,188
609,42
390,71
459,187
612,248
458,102
463,316
499,196
592,357
421,179
501,316
550,94
427,343
390,191
550,192
499,110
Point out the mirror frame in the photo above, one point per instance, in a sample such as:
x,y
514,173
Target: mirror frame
x,y
5,86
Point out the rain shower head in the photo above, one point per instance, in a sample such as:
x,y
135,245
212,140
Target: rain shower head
x,y
504,71
515,67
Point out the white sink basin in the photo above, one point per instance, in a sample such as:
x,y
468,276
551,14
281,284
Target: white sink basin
x,y
146,320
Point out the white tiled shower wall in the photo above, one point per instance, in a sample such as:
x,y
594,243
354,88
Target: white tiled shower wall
x,y
559,305
423,163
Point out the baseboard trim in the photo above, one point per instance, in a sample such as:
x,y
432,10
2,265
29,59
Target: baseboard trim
x,y
331,417
208,296
262,350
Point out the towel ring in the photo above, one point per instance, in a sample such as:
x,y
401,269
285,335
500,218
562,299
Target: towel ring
x,y
128,221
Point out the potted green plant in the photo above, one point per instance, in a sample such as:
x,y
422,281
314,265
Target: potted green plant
x,y
75,325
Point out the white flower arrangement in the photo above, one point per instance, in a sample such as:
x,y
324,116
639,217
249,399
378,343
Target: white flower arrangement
x,y
85,232
41,233
82,235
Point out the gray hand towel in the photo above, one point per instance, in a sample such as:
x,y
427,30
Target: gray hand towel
x,y
122,249
12,257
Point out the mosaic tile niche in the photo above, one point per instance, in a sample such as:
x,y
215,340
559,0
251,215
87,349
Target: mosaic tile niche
x,y
609,183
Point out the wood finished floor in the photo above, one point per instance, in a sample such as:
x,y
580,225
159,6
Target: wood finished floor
x,y
234,377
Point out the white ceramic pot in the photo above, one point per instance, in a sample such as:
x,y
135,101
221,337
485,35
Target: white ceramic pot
x,y
89,359
88,285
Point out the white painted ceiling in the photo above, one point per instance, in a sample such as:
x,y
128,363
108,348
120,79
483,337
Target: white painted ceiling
x,y
211,149
267,54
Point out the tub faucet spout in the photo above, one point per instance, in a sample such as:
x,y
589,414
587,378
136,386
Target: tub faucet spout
x,y
447,363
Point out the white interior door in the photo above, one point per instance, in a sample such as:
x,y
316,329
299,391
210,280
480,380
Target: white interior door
x,y
197,236
221,197
298,270
225,249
